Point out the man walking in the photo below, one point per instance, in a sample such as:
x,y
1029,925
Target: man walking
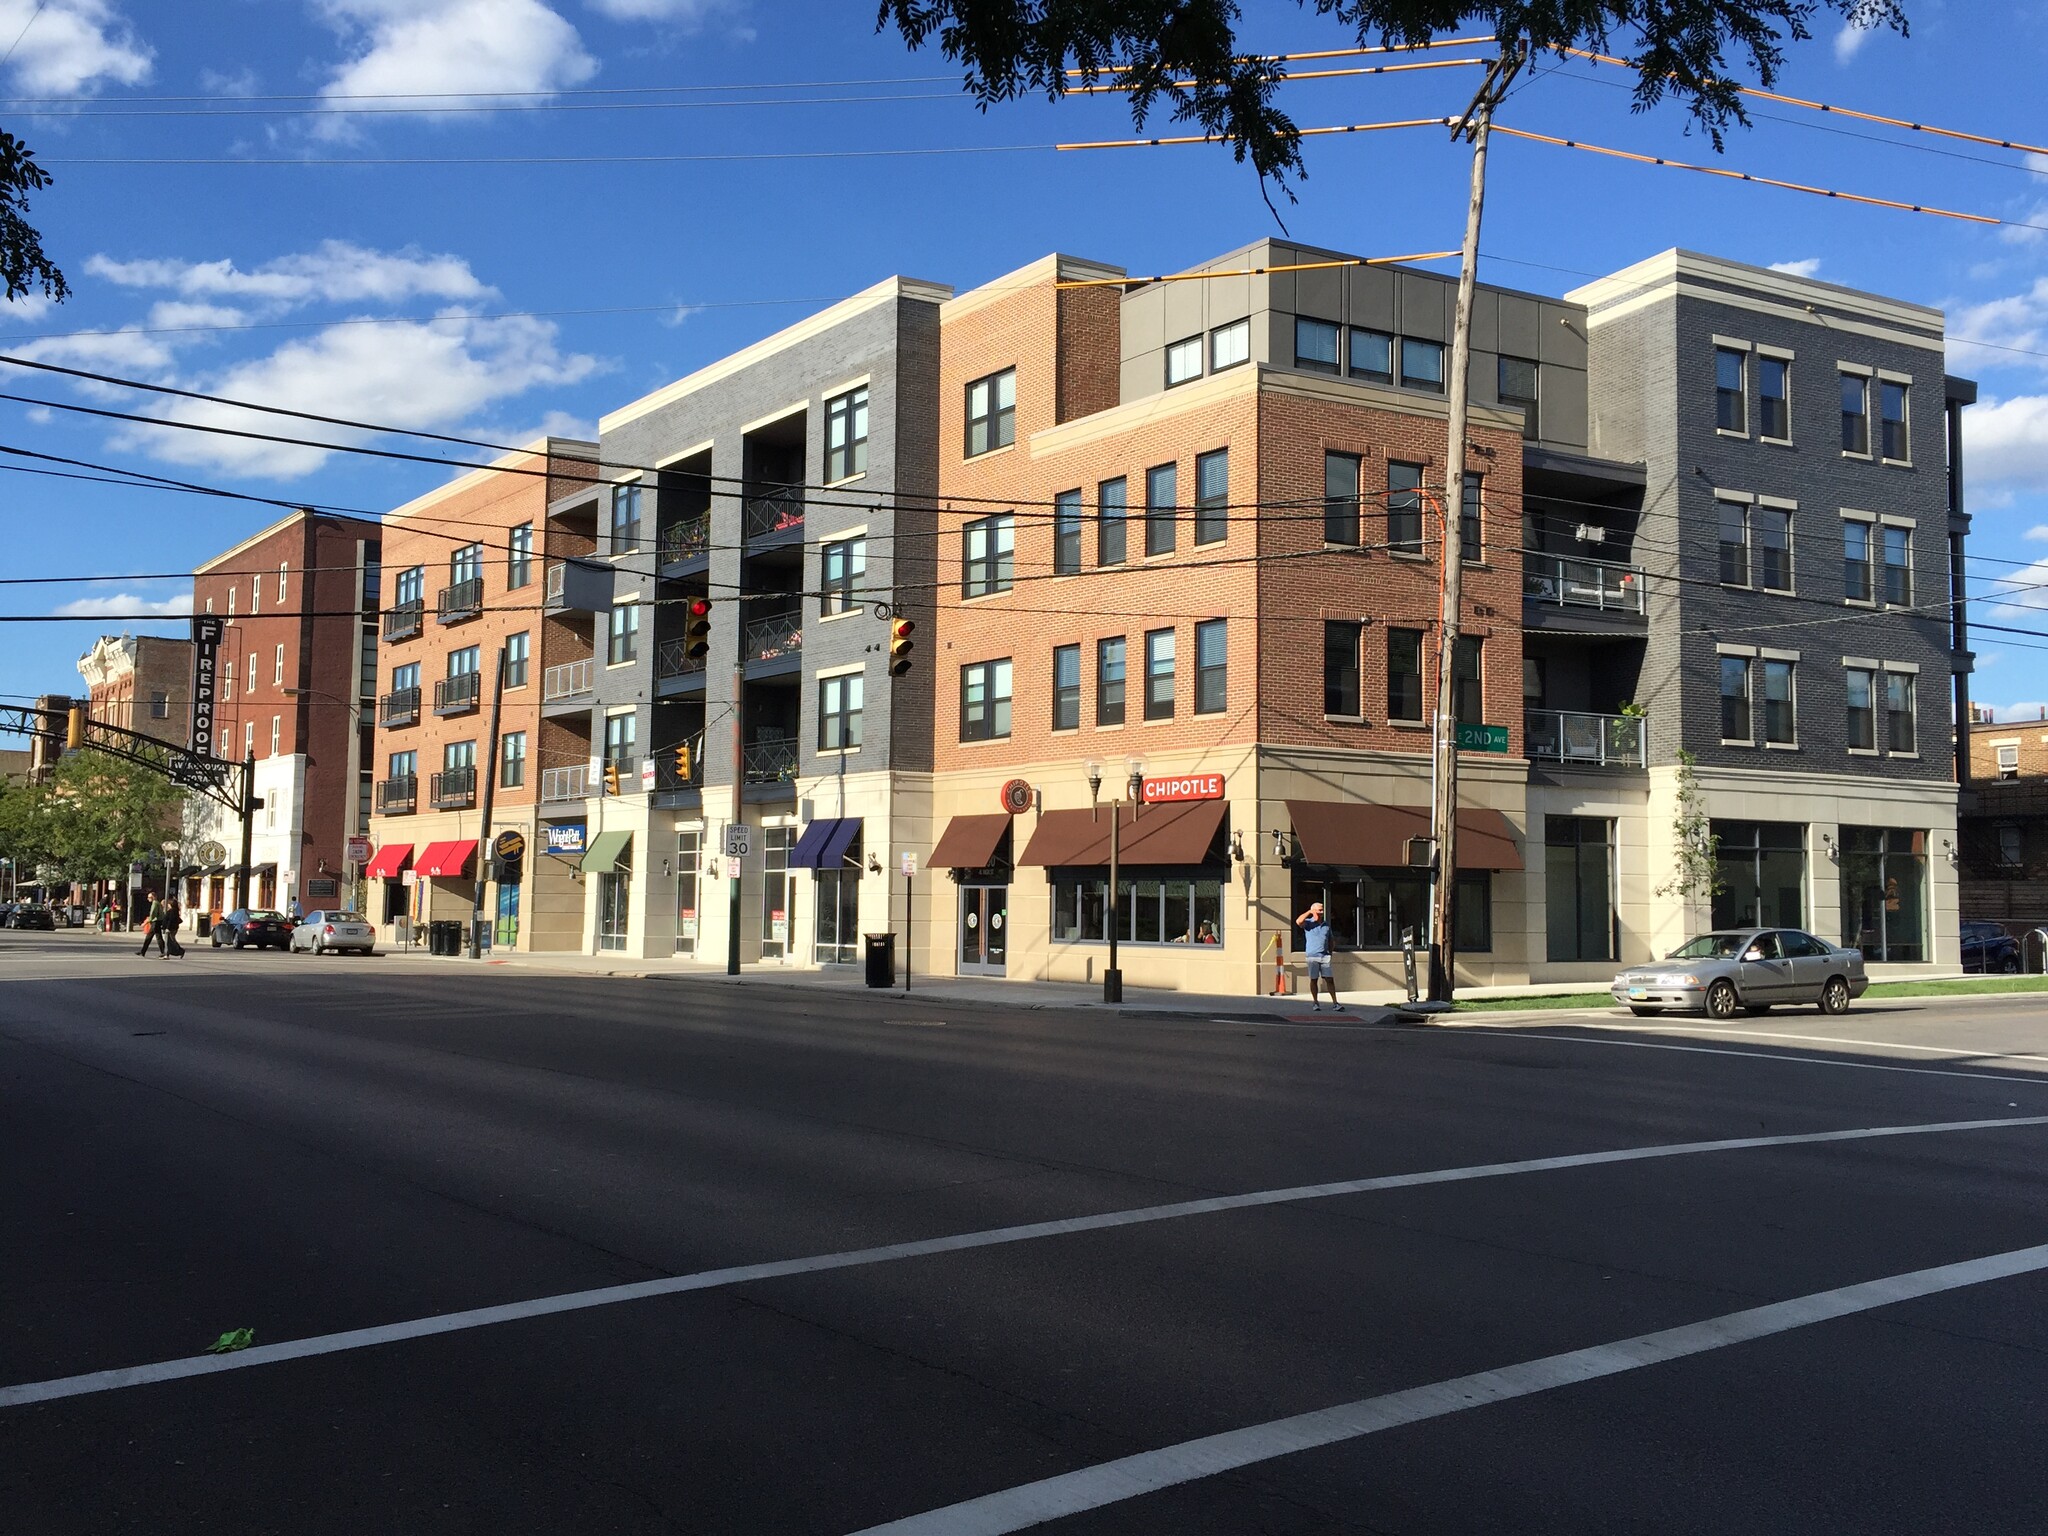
x,y
1315,931
149,923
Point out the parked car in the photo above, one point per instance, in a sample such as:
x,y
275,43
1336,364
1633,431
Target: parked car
x,y
1746,969
258,926
7,911
29,916
1988,948
320,933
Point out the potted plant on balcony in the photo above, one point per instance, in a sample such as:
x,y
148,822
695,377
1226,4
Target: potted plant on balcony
x,y
1625,735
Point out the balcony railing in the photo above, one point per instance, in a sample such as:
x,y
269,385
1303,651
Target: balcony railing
x,y
773,638
403,620
769,762
453,788
568,680
672,659
665,775
772,509
1594,741
627,766
464,600
689,539
458,695
565,783
551,597
400,707
397,797
1601,584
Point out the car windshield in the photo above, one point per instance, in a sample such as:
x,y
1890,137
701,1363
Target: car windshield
x,y
266,917
1711,946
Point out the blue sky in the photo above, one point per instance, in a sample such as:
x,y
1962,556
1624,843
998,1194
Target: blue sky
x,y
443,295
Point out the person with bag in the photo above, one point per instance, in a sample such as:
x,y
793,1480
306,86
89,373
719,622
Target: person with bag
x,y
148,921
168,920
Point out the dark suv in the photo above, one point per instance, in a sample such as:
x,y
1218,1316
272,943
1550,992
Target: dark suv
x,y
1989,949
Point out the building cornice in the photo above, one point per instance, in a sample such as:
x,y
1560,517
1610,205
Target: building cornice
x,y
547,449
1042,273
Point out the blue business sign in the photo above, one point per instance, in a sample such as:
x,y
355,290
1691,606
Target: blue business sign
x,y
566,837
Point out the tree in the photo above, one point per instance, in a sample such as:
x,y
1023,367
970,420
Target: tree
x,y
23,266
1695,870
101,813
1187,51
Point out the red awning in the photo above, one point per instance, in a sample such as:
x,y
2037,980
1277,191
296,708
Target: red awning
x,y
970,841
446,860
1353,833
389,862
1163,834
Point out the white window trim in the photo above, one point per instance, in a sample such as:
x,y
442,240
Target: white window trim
x,y
1734,650
851,669
1862,663
1767,654
277,677
1782,354
1781,503
1732,344
1862,370
1791,658
1893,520
834,391
1911,668
1891,377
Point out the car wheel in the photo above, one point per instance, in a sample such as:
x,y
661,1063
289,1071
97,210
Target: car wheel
x,y
1834,997
240,942
1721,1000
1757,1010
1642,1013
216,939
2010,966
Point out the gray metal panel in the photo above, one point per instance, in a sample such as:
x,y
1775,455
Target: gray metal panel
x,y
1320,293
1561,335
1425,305
1143,375
1485,320
1185,310
1561,396
1521,326
1369,297
1142,320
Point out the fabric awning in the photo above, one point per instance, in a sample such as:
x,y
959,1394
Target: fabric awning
x,y
388,862
1164,834
446,861
609,852
970,842
1355,833
824,843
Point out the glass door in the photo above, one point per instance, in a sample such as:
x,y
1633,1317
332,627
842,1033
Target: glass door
x,y
838,918
775,893
689,862
505,934
984,929
611,911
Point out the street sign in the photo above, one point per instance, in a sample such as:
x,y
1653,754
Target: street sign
x,y
739,841
358,850
1482,738
732,869
566,837
199,773
509,844
909,865
210,853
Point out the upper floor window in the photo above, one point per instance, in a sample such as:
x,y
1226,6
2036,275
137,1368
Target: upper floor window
x,y
512,764
519,556
1340,668
405,677
1340,498
1780,722
992,412
1736,723
1472,521
622,642
1518,390
1891,410
1733,523
1857,585
626,518
846,434
2008,755
1404,507
1183,361
256,592
1404,675
466,564
411,587
1898,566
1212,667
985,700
988,555
1900,733
1111,522
621,736
1731,398
1066,533
518,658
1422,364
1372,356
1861,687
1066,687
1212,496
1468,680
841,565
1772,531
839,711
1109,680
465,662
1230,345
1315,344
1855,413
1162,491
159,704
1774,398
278,677
283,570
1159,674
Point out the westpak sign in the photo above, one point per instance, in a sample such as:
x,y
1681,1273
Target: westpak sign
x,y
1187,786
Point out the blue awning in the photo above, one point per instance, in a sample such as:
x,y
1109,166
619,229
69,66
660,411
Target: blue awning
x,y
824,843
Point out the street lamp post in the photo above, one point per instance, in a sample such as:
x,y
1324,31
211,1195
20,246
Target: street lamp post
x,y
1134,795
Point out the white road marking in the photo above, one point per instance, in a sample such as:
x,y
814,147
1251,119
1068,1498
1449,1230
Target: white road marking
x,y
1111,1482
2011,1079
711,1279
1885,1045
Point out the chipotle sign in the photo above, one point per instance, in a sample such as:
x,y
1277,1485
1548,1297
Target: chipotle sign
x,y
1187,786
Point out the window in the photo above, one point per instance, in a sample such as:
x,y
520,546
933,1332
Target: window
x,y
1212,496
1149,911
1404,507
1158,674
405,677
985,700
623,641
1891,412
1898,566
1422,364
1162,490
519,556
1780,727
1518,388
1578,882
1855,414
256,592
466,564
1066,687
463,663
1774,398
841,565
159,704
846,434
1736,725
1760,874
626,518
276,733
458,754
839,708
1315,345
1109,681
404,764
1856,580
283,569
1884,892
2009,760
1404,675
411,587
1230,345
1734,539
1773,532
988,552
1340,498
1111,514
277,676
518,651
1862,722
1066,533
1212,667
992,412
1900,734
1340,669
250,668
231,602
2012,845
1731,408
1373,908
512,755
1372,356
1471,522
249,738
1468,684
1183,361
621,736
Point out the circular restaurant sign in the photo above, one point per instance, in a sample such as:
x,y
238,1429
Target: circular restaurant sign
x,y
1016,797
509,845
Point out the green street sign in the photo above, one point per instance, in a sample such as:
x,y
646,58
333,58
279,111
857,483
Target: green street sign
x,y
1482,738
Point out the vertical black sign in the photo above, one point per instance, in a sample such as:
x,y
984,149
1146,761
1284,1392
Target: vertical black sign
x,y
206,633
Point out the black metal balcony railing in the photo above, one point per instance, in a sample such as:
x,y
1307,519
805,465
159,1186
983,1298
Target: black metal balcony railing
x,y
568,680
1602,584
463,600
665,774
627,767
1585,740
772,509
397,797
769,762
672,659
399,707
452,788
773,637
565,783
689,539
403,620
458,695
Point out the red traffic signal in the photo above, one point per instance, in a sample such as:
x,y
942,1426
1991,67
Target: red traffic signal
x,y
697,629
900,645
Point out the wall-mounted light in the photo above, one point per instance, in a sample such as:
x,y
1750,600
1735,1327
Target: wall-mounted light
x,y
874,862
1948,851
1237,847
1282,844
664,869
1827,843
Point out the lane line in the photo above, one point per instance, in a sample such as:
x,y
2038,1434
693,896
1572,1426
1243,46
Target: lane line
x,y
1886,1045
1503,1032
1129,1477
712,1279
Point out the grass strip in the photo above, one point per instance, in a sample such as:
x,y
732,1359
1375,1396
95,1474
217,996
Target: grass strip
x,y
1967,986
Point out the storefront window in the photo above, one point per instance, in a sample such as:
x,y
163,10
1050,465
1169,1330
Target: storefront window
x,y
689,856
775,892
838,910
1372,908
1149,910
1761,874
1884,893
1578,858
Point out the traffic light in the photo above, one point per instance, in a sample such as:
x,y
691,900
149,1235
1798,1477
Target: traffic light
x,y
683,761
74,728
697,629
611,777
900,645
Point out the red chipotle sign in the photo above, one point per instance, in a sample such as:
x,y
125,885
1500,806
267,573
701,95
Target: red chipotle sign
x,y
1187,786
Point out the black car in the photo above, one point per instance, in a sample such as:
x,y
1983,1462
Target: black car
x,y
33,917
258,926
1990,950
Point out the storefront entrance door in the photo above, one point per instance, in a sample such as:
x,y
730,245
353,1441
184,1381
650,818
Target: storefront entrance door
x,y
611,912
984,929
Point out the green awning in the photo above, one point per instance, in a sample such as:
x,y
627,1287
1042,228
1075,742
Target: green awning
x,y
609,852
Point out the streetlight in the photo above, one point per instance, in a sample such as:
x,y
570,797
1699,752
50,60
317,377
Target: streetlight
x,y
1134,796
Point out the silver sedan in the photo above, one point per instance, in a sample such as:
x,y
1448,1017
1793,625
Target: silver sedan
x,y
1745,970
325,932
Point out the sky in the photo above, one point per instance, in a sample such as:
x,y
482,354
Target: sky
x,y
492,218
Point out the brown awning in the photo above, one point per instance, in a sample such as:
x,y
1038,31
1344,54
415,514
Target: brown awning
x,y
1164,834
969,842
1352,832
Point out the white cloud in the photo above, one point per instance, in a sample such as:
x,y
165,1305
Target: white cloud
x,y
687,14
2005,443
126,604
242,83
1849,41
334,272
71,47
125,351
1806,266
2010,713
414,47
2017,320
2024,218
2038,533
2019,596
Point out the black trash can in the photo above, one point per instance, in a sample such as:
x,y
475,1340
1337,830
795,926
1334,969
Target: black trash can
x,y
881,953
444,938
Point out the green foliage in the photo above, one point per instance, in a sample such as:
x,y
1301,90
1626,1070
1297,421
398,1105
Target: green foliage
x,y
23,266
90,819
1698,871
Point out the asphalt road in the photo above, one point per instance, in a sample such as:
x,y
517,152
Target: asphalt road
x,y
311,1147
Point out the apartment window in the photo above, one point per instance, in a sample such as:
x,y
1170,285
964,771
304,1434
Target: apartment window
x,y
1111,522
464,663
1212,667
2012,846
1183,361
1404,507
1066,687
1891,412
159,704
1404,675
621,736
1736,724
276,733
846,434
248,738
1861,685
404,765
1340,668
1158,674
1518,389
1772,528
841,567
1422,364
985,700
1780,726
1898,566
626,518
992,412
277,676
1734,537
1109,681
1774,398
1066,533
250,668
407,676
1471,522
466,564
1340,498
518,653
1900,734
2009,761
839,709
283,570
1857,586
1230,345
1372,356
1855,413
1731,408
988,553
1212,496
622,643
1315,345
411,587
519,557
255,591
512,760
1162,493
231,602
458,754
1468,685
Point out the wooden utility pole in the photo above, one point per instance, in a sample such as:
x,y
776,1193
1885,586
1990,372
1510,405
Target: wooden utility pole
x,y
483,844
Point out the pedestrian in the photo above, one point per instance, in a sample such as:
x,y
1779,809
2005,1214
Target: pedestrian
x,y
1315,931
148,921
172,916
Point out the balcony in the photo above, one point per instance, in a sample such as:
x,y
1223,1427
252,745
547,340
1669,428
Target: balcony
x,y
1608,594
404,620
453,788
675,671
772,512
769,762
398,797
627,766
571,680
458,695
773,644
400,707
558,784
464,600
685,541
1586,741
578,586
